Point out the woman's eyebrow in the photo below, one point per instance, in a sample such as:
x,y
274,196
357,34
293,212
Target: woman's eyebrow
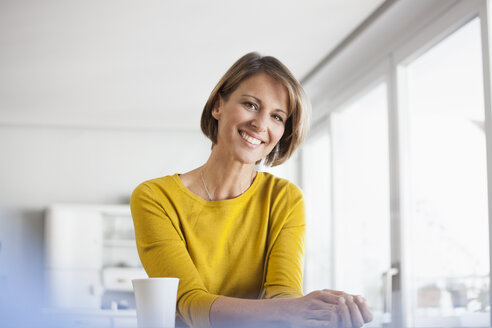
x,y
283,111
259,101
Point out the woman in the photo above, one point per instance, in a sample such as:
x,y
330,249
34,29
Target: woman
x,y
235,236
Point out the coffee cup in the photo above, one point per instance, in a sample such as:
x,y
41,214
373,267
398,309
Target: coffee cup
x,y
155,300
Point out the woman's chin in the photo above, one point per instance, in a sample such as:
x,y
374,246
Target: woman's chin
x,y
247,160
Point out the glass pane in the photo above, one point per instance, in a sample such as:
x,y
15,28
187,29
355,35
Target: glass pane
x,y
447,230
316,186
361,198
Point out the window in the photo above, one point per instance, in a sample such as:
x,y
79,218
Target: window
x,y
447,230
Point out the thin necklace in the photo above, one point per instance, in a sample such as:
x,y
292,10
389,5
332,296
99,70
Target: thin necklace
x,y
208,193
203,181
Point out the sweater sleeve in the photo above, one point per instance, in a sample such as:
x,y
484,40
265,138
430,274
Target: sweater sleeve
x,y
285,263
163,253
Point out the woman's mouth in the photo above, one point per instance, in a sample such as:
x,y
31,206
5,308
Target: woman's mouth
x,y
249,138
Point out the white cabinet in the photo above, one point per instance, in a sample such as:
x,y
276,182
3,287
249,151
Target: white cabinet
x,y
73,237
91,257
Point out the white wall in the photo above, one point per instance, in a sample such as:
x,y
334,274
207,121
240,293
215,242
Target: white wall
x,y
43,165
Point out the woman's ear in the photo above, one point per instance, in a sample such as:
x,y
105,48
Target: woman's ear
x,y
218,108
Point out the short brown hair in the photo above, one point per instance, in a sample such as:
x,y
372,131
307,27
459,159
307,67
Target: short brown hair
x,y
297,123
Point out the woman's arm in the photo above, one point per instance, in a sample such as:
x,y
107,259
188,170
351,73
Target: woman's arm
x,y
237,312
316,309
323,308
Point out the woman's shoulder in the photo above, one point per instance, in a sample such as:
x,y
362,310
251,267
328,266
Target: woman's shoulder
x,y
280,186
157,185
286,201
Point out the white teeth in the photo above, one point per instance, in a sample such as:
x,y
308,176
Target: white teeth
x,y
250,139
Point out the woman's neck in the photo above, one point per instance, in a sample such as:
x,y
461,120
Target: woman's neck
x,y
225,179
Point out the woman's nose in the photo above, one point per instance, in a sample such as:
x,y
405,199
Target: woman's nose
x,y
259,123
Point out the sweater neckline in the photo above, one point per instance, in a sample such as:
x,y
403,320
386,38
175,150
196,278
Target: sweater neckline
x,y
240,198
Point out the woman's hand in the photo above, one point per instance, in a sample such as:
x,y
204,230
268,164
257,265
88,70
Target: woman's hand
x,y
353,311
329,308
316,309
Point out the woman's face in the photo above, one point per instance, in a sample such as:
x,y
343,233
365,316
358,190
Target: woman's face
x,y
252,120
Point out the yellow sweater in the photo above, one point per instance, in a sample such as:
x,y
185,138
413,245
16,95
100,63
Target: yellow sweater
x,y
251,246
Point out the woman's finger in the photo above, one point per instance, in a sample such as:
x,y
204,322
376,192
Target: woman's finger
x,y
359,300
364,308
332,291
358,315
328,297
344,315
355,314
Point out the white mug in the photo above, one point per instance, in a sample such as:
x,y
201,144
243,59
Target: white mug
x,y
155,299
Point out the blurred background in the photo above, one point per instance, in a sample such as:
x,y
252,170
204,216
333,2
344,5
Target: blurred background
x,y
98,96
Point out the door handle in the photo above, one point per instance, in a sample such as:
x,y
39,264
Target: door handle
x,y
387,277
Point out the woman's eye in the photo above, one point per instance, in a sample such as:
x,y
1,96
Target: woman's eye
x,y
250,105
278,118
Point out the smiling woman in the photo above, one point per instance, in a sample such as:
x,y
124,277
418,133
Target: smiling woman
x,y
234,236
